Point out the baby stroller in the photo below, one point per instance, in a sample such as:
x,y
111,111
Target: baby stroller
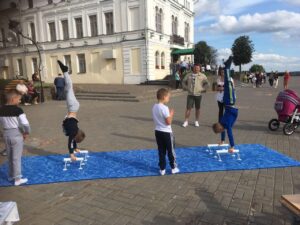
x,y
287,106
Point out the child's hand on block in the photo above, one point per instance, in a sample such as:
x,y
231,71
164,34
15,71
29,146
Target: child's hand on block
x,y
231,150
73,157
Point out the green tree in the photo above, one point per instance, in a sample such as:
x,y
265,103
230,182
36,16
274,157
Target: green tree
x,y
205,54
242,51
257,68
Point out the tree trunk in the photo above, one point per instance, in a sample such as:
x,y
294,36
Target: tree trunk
x,y
240,69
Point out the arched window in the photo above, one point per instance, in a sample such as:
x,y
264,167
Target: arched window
x,y
162,60
176,26
187,32
157,60
158,19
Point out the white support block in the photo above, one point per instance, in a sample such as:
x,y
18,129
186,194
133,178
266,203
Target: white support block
x,y
84,152
217,145
69,160
225,151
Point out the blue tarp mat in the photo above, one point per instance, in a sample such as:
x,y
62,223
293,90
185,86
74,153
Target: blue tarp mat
x,y
144,162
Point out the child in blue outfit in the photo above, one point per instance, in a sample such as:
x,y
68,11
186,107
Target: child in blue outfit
x,y
231,113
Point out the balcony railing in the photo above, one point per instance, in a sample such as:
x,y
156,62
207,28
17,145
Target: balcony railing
x,y
176,39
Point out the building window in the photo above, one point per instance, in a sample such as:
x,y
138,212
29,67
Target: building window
x,y
109,22
65,29
34,65
20,67
93,25
174,25
30,4
81,63
3,37
158,19
187,32
52,31
68,62
162,60
32,30
157,60
50,2
79,30
134,18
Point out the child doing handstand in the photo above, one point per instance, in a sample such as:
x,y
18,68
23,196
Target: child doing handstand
x,y
231,113
70,123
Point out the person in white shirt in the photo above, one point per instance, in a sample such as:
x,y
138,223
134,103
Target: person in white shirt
x,y
162,118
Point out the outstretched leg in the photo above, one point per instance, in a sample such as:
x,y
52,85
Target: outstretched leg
x,y
72,103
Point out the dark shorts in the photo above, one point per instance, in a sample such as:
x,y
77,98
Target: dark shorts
x,y
191,100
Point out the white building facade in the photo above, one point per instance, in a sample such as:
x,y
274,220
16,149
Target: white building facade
x,y
102,41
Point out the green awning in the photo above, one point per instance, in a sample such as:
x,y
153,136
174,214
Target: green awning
x,y
187,51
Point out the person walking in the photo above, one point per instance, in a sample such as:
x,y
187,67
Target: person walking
x,y
59,83
286,79
195,83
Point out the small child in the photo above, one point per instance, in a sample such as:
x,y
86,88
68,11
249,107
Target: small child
x,y
70,126
162,118
231,113
16,129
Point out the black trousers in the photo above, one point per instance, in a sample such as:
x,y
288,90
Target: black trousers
x,y
165,144
221,110
60,93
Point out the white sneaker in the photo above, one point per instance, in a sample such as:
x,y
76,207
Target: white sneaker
x,y
196,124
162,172
185,124
175,170
27,104
21,181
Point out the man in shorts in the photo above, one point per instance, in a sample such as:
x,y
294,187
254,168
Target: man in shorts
x,y
195,83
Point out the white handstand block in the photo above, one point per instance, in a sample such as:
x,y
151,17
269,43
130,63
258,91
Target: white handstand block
x,y
225,151
84,152
217,145
70,160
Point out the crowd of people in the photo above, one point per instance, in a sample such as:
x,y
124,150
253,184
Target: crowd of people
x,y
259,78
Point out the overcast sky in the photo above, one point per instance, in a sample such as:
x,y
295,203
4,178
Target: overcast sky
x,y
273,26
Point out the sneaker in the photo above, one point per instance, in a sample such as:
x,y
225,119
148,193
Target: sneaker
x,y
21,181
196,124
162,172
175,170
185,124
27,104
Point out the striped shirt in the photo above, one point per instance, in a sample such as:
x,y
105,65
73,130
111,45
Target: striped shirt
x,y
13,117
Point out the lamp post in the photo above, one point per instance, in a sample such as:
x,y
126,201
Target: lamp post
x,y
15,27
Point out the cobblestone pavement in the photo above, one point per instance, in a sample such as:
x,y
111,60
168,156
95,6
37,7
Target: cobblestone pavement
x,y
229,197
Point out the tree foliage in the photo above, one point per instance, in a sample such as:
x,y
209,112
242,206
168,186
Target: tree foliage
x,y
242,51
257,68
205,54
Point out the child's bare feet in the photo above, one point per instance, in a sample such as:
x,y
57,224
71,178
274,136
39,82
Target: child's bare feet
x,y
231,150
73,157
77,150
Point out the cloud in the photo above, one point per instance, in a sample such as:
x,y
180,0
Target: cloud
x,y
273,22
270,61
293,2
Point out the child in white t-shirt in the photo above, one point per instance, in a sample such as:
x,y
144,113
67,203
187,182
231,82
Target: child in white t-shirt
x,y
162,118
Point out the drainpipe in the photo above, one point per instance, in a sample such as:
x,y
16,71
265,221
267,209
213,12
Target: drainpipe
x,y
146,39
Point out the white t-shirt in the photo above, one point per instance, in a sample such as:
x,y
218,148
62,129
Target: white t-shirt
x,y
220,94
160,113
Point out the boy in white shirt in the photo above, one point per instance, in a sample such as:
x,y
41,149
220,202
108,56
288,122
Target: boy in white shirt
x,y
162,118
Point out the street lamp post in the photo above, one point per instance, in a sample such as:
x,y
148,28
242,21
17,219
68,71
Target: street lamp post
x,y
14,26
